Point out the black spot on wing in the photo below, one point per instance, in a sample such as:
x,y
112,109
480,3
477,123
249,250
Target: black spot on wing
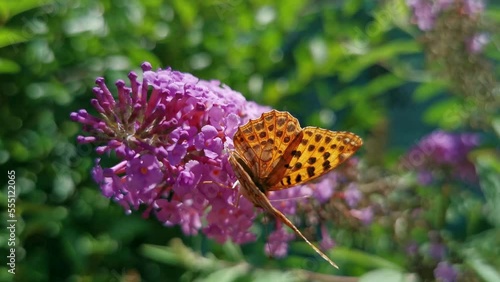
x,y
310,171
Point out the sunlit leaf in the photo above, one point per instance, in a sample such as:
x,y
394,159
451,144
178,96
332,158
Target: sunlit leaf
x,y
9,9
447,114
388,275
485,270
378,55
9,66
426,91
10,37
488,169
364,259
354,94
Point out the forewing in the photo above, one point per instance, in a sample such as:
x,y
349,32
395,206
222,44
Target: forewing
x,y
319,151
262,142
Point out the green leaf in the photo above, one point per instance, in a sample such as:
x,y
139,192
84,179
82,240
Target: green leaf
x,y
385,52
305,64
496,125
9,66
290,13
161,254
227,274
446,114
426,91
10,36
187,12
233,251
360,258
356,94
492,14
274,275
9,9
350,8
482,257
388,275
487,272
488,169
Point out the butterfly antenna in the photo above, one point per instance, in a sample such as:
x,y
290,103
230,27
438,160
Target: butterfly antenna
x,y
216,183
292,198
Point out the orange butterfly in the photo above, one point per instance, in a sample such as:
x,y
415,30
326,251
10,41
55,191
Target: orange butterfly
x,y
273,152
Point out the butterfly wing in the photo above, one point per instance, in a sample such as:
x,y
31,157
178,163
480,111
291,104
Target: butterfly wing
x,y
262,142
252,193
245,178
318,152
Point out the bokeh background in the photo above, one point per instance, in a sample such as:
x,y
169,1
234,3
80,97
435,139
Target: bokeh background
x,y
391,71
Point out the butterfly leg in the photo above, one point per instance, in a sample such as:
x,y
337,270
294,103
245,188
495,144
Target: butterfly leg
x,y
238,194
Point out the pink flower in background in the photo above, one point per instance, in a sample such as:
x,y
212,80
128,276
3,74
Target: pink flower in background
x,y
443,152
352,195
425,12
277,245
477,42
324,189
412,249
473,7
326,240
437,250
365,215
445,272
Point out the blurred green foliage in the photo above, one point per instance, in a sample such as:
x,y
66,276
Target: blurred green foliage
x,y
357,65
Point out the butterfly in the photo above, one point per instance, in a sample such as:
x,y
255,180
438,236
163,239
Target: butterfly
x,y
273,153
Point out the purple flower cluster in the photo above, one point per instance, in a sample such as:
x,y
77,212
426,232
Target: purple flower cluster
x,y
289,202
277,245
433,251
171,132
477,42
445,272
425,12
443,153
